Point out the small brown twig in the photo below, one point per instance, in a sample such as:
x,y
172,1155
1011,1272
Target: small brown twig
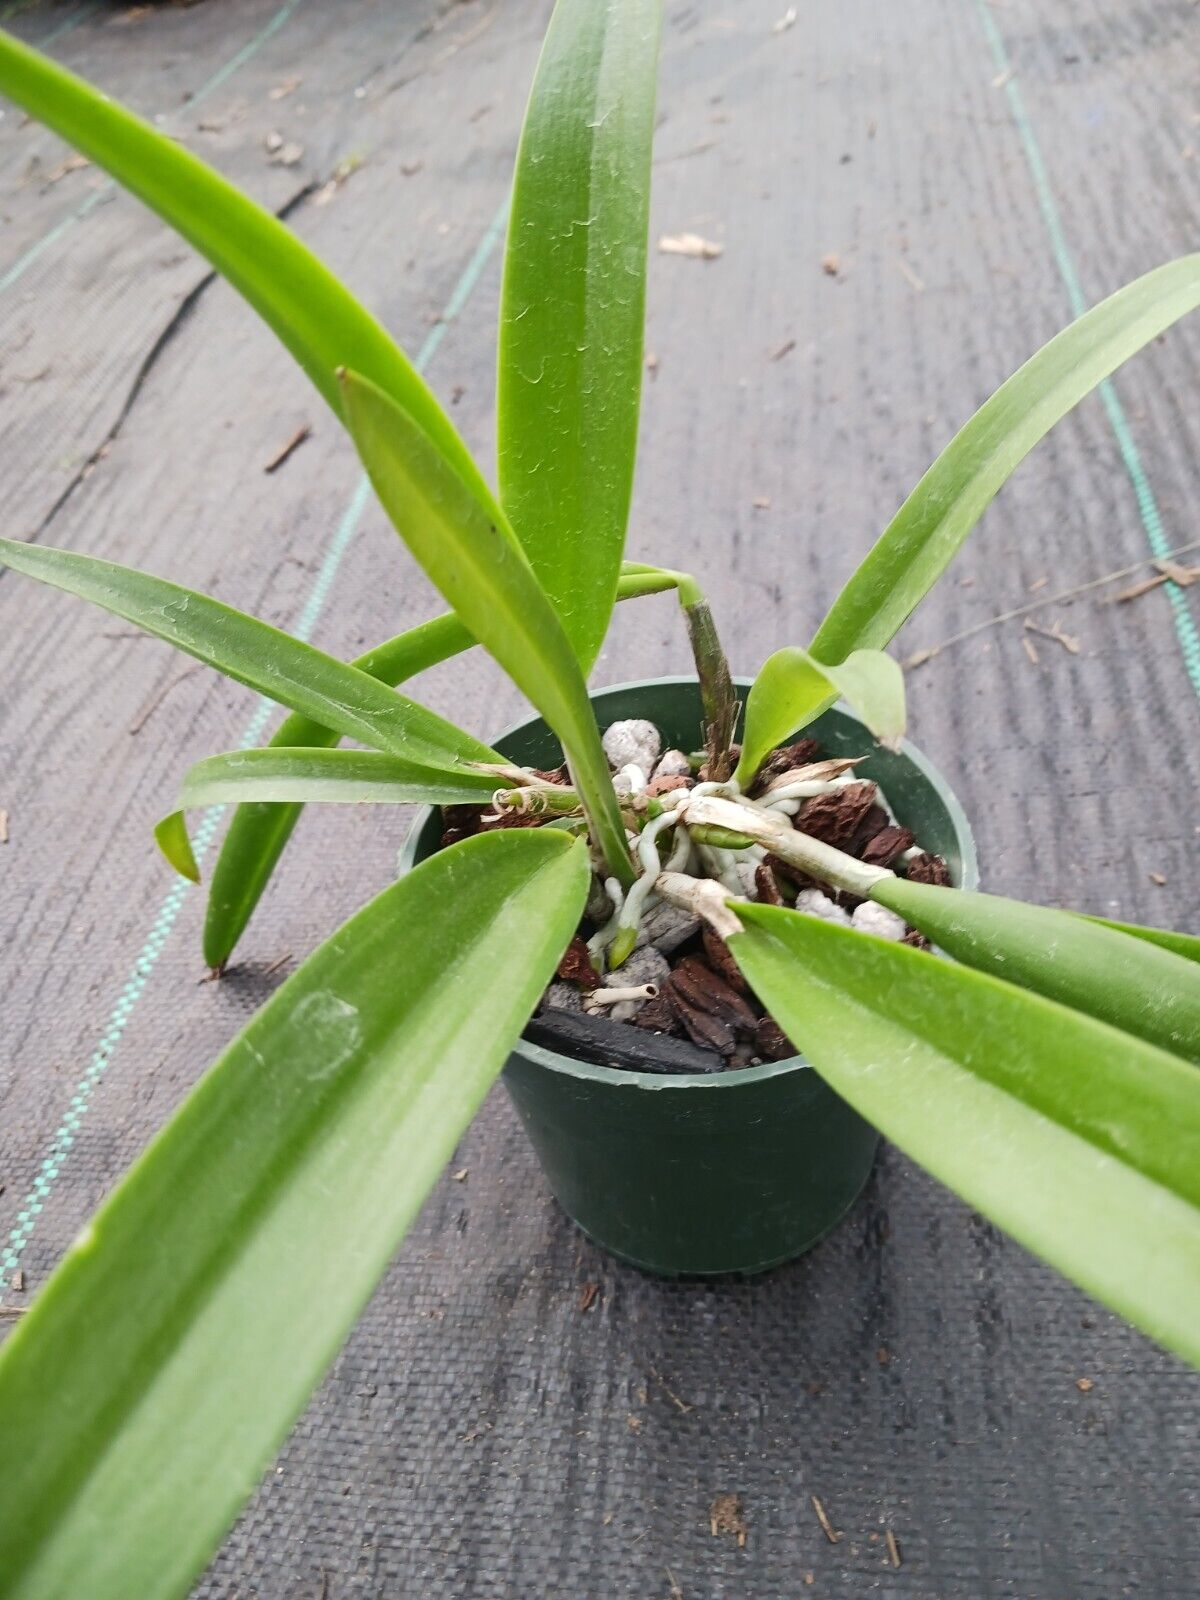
x,y
920,657
158,699
304,431
827,1528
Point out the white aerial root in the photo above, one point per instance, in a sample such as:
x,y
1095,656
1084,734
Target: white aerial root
x,y
504,769
629,918
681,850
813,772
703,898
599,998
797,849
720,864
603,937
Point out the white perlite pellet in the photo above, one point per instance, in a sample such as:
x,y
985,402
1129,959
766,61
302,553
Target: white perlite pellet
x,y
673,764
814,903
633,740
884,924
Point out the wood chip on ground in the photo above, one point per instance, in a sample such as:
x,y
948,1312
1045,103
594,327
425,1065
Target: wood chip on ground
x,y
725,1516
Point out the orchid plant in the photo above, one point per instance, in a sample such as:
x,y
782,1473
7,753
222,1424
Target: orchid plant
x,y
1047,1073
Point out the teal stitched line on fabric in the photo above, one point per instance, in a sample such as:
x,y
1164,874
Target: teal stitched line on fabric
x,y
147,958
98,196
67,23
1185,623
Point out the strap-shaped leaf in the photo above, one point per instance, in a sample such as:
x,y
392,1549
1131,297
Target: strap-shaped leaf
x,y
921,539
259,832
792,688
171,836
1081,1141
315,317
252,652
472,556
571,315
1181,944
160,1368
1133,984
340,777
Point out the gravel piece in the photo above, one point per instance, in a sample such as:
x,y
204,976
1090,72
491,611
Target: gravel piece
x,y
562,996
664,783
666,927
646,965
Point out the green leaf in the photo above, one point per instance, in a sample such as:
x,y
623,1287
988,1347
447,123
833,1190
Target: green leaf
x,y
572,311
159,1370
925,533
259,832
1081,1141
341,777
172,837
1182,944
792,688
471,554
316,317
1131,983
253,653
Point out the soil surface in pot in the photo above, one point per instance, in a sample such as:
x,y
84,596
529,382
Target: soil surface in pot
x,y
697,1013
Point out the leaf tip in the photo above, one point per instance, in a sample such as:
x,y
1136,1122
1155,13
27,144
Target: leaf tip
x,y
171,836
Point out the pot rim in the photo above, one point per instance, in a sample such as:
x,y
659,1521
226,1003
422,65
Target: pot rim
x,y
661,1082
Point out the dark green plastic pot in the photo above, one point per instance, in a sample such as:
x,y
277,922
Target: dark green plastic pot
x,y
700,1175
